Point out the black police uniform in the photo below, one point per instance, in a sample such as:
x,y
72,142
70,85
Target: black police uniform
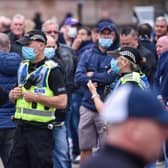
x,y
33,142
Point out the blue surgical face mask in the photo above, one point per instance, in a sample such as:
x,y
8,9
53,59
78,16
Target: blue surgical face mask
x,y
72,33
28,53
105,42
49,52
115,68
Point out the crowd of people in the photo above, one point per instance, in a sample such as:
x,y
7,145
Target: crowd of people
x,y
70,93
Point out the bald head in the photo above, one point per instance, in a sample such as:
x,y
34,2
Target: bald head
x,y
162,45
4,42
51,42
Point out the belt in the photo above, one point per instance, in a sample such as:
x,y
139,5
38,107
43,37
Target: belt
x,y
27,124
53,125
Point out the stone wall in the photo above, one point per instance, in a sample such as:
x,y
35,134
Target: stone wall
x,y
120,10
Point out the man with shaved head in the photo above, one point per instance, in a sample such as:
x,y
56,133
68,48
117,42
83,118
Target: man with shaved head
x,y
162,45
161,75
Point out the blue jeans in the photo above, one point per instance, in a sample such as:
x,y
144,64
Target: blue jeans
x,y
61,151
73,121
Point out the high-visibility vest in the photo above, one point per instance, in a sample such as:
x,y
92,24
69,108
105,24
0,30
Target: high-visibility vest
x,y
34,111
136,77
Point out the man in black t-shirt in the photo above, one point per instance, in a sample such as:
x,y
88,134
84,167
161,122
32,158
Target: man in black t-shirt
x,y
39,93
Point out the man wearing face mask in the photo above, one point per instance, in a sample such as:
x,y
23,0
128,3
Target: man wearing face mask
x,y
70,30
39,93
66,57
93,65
61,155
63,54
49,51
115,35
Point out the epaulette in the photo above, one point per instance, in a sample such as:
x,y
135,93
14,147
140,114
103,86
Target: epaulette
x,y
52,64
134,77
25,61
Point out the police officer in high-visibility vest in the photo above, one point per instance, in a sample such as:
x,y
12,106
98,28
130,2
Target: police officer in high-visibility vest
x,y
40,91
126,64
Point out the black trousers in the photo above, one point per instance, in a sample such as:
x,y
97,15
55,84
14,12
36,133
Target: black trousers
x,y
33,148
6,143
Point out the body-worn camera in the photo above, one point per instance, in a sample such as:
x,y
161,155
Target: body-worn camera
x,y
30,81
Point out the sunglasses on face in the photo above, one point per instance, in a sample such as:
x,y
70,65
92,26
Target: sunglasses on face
x,y
52,31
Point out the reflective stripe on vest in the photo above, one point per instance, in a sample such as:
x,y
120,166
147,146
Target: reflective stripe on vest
x,y
132,77
35,111
34,115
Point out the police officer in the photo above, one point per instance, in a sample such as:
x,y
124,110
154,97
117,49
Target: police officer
x,y
126,66
39,92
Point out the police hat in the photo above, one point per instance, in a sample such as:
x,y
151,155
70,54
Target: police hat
x,y
34,35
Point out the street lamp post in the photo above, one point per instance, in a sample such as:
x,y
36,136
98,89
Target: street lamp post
x,y
80,10
160,7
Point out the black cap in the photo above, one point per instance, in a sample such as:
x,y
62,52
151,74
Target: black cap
x,y
34,35
130,53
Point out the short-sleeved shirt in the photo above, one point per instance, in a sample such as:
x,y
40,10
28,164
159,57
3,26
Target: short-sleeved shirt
x,y
112,157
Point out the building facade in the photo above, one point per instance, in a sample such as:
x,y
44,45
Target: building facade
x,y
90,11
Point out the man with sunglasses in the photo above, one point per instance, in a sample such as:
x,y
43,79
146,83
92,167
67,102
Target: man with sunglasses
x,y
65,56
